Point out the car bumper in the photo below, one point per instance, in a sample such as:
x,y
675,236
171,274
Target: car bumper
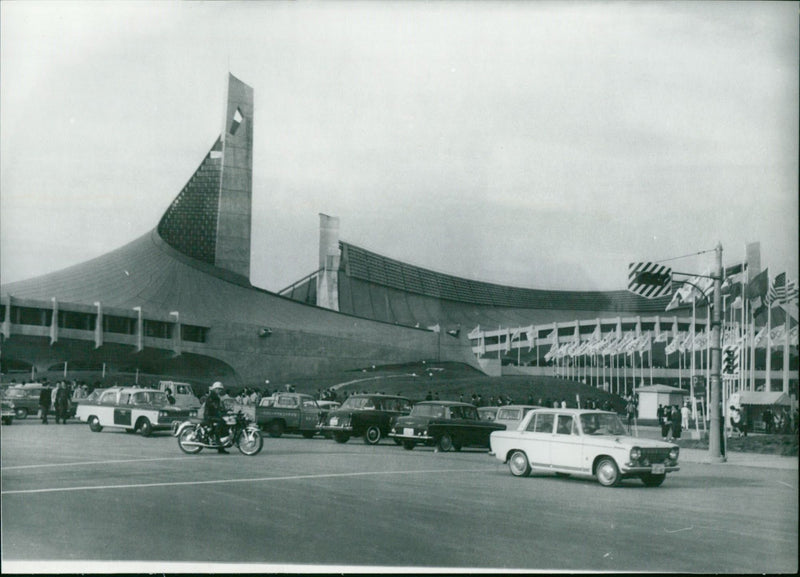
x,y
644,469
404,437
335,429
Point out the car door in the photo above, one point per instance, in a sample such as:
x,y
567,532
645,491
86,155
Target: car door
x,y
566,448
309,414
538,437
123,411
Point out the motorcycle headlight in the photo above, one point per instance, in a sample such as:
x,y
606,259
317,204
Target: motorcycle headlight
x,y
162,414
674,452
193,413
636,454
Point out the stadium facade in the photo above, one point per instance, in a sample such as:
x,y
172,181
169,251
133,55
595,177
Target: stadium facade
x,y
178,300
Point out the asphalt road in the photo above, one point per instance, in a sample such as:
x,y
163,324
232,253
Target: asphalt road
x,y
72,495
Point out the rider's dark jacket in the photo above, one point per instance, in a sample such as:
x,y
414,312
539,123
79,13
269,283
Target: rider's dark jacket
x,y
213,408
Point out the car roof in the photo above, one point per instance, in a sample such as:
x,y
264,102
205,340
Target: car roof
x,y
574,411
446,403
376,396
520,407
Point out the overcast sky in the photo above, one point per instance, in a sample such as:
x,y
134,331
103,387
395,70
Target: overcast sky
x,y
542,145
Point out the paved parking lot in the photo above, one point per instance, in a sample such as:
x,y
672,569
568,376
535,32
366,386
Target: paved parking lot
x,y
69,495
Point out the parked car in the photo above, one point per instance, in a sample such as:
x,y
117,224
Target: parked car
x,y
586,443
487,413
448,425
290,413
133,409
25,398
370,416
7,412
511,415
182,392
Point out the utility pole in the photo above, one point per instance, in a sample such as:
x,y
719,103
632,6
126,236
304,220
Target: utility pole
x,y
715,410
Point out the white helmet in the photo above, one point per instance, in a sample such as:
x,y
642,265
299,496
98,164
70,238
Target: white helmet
x,y
216,386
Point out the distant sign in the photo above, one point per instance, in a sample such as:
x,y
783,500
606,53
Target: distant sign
x,y
649,279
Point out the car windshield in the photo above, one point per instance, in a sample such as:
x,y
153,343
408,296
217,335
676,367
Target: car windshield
x,y
149,397
16,393
359,403
601,424
436,411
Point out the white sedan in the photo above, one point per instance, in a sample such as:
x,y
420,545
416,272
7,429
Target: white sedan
x,y
583,442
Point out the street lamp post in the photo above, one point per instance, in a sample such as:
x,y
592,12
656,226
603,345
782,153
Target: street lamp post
x,y
715,434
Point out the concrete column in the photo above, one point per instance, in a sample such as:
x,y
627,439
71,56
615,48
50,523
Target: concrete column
x,y
98,326
329,259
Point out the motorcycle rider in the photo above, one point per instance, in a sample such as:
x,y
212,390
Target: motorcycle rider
x,y
212,413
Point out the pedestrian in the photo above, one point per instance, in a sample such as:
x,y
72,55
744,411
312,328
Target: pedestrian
x,y
61,403
736,420
663,412
45,400
630,412
685,417
675,422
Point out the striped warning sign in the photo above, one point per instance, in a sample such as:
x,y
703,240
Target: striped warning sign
x,y
649,279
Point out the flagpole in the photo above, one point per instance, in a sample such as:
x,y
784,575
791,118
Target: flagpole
x,y
752,350
768,382
694,333
786,330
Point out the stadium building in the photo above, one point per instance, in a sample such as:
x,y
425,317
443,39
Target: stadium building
x,y
178,301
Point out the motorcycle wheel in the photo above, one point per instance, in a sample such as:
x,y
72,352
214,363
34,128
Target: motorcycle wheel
x,y
250,442
188,434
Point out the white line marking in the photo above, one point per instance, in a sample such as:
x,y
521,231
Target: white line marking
x,y
80,464
678,530
252,480
787,484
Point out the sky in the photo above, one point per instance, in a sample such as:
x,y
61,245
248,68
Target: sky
x,y
532,144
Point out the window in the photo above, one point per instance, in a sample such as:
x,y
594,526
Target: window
x,y
542,423
109,397
119,325
123,398
286,402
565,425
193,334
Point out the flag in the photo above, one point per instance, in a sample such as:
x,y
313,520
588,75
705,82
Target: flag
x,y
733,280
691,290
757,291
782,292
673,345
759,340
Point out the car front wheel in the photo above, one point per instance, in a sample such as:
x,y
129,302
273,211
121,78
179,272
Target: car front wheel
x,y
372,436
21,413
408,445
518,464
607,472
341,437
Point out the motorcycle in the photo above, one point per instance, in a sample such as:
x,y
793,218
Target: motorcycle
x,y
195,436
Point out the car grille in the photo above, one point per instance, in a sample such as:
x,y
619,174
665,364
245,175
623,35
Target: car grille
x,y
655,455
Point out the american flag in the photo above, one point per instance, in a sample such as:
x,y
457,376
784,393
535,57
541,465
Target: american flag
x,y
781,291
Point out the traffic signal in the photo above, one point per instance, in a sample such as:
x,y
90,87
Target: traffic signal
x,y
730,361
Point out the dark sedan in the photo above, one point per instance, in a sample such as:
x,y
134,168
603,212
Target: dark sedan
x,y
447,425
370,416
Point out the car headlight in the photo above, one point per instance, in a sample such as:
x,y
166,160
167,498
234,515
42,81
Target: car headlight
x,y
636,454
162,414
192,413
674,452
